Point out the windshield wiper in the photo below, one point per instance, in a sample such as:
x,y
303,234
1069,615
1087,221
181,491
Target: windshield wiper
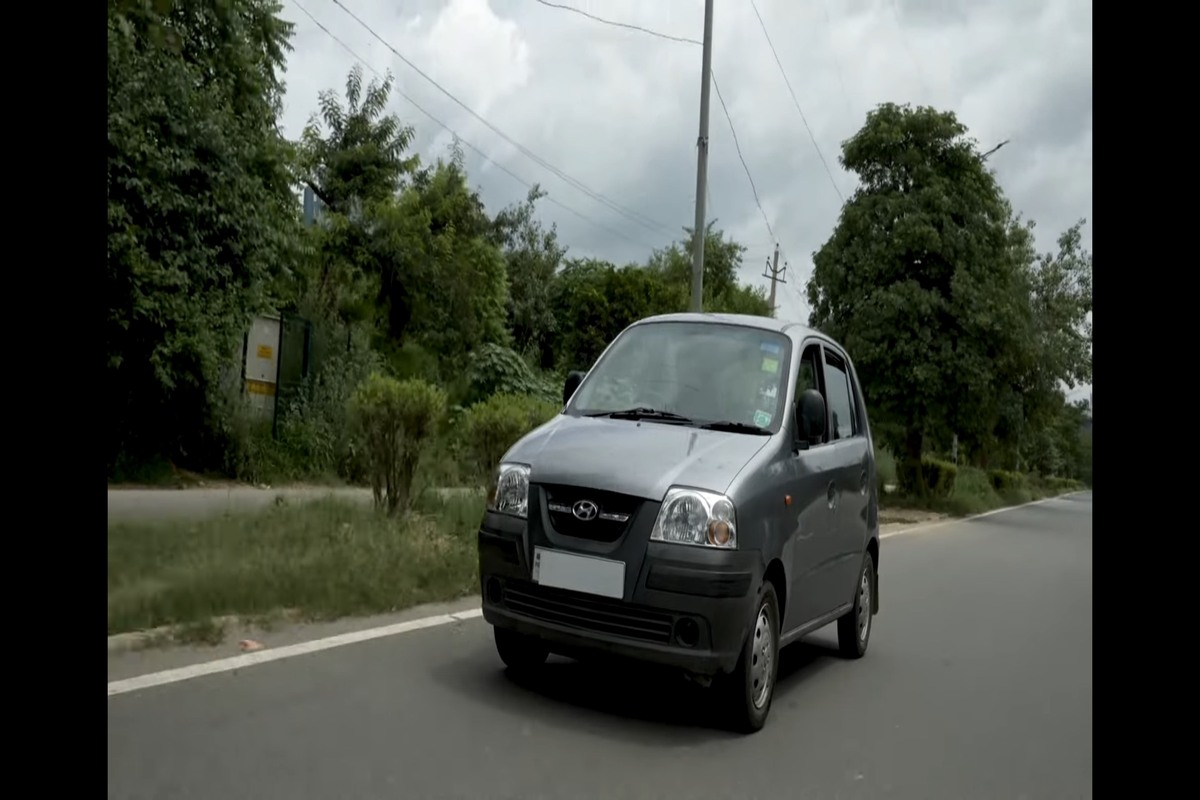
x,y
642,413
735,427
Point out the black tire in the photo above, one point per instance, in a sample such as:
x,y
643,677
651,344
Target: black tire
x,y
745,708
518,651
853,638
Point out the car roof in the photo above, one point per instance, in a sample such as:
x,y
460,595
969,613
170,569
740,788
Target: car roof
x,y
796,330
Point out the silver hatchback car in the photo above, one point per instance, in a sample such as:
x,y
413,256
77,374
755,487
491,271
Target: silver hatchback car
x,y
706,496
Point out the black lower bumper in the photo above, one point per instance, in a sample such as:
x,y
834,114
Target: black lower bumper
x,y
689,610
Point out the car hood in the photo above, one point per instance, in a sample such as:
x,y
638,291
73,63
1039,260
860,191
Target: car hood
x,y
639,458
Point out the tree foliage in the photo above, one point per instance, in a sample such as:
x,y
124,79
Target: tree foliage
x,y
929,279
532,257
202,222
353,154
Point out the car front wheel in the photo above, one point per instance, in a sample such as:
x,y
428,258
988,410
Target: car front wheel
x,y
750,688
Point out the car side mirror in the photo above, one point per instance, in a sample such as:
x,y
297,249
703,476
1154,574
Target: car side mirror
x,y
574,378
810,418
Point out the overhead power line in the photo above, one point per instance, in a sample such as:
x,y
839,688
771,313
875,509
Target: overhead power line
x,y
549,198
616,24
630,214
837,62
912,56
738,148
732,129
796,102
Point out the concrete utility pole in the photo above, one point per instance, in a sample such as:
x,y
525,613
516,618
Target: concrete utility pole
x,y
776,275
702,163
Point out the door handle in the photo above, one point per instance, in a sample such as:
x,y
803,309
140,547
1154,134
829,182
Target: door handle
x,y
862,482
831,493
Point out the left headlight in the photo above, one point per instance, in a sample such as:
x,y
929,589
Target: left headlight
x,y
509,490
692,516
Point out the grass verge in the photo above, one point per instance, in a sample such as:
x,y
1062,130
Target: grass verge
x,y
317,560
974,493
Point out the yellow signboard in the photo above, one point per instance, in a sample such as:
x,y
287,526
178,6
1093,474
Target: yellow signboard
x,y
260,387
266,351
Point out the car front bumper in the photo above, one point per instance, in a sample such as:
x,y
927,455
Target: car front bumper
x,y
684,607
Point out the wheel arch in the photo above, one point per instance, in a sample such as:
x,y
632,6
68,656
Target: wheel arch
x,y
873,549
776,575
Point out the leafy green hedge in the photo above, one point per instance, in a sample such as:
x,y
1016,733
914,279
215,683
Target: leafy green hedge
x,y
1058,485
486,430
495,370
1006,481
939,477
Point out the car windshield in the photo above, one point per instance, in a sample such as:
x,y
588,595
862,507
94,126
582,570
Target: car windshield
x,y
704,372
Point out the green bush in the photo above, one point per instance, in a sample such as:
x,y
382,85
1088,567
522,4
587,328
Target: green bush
x,y
312,439
411,360
492,370
885,470
486,430
972,493
1014,488
392,421
933,477
1005,480
1058,485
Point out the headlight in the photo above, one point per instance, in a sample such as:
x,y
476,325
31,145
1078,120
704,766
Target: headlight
x,y
509,490
692,516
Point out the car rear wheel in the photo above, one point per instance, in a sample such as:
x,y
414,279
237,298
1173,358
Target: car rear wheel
x,y
854,627
750,688
519,651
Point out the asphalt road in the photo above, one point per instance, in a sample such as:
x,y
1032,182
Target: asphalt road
x,y
978,684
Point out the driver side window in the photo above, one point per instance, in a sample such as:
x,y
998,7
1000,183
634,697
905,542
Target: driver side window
x,y
809,376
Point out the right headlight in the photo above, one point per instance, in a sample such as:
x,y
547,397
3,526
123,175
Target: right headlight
x,y
509,490
696,517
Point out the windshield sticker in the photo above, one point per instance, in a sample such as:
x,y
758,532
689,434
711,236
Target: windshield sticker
x,y
770,365
774,348
762,419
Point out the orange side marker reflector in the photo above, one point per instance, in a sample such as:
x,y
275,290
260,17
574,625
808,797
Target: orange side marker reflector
x,y
787,499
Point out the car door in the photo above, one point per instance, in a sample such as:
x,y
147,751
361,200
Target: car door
x,y
813,543
851,462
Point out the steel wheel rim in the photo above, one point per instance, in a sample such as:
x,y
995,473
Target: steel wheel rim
x,y
762,657
864,606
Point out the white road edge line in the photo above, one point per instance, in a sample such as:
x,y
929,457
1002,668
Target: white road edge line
x,y
139,682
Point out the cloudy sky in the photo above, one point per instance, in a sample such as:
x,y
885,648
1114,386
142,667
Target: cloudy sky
x,y
605,118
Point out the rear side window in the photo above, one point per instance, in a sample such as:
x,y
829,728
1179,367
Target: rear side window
x,y
843,421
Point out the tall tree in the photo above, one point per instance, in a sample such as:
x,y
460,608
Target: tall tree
x,y
532,255
923,277
353,154
1060,347
444,280
723,292
595,300
202,219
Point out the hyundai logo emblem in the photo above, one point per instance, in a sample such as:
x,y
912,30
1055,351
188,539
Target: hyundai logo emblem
x,y
585,510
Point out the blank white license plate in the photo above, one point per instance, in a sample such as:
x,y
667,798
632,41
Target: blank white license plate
x,y
579,573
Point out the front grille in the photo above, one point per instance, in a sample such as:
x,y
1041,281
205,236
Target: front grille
x,y
585,612
614,512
